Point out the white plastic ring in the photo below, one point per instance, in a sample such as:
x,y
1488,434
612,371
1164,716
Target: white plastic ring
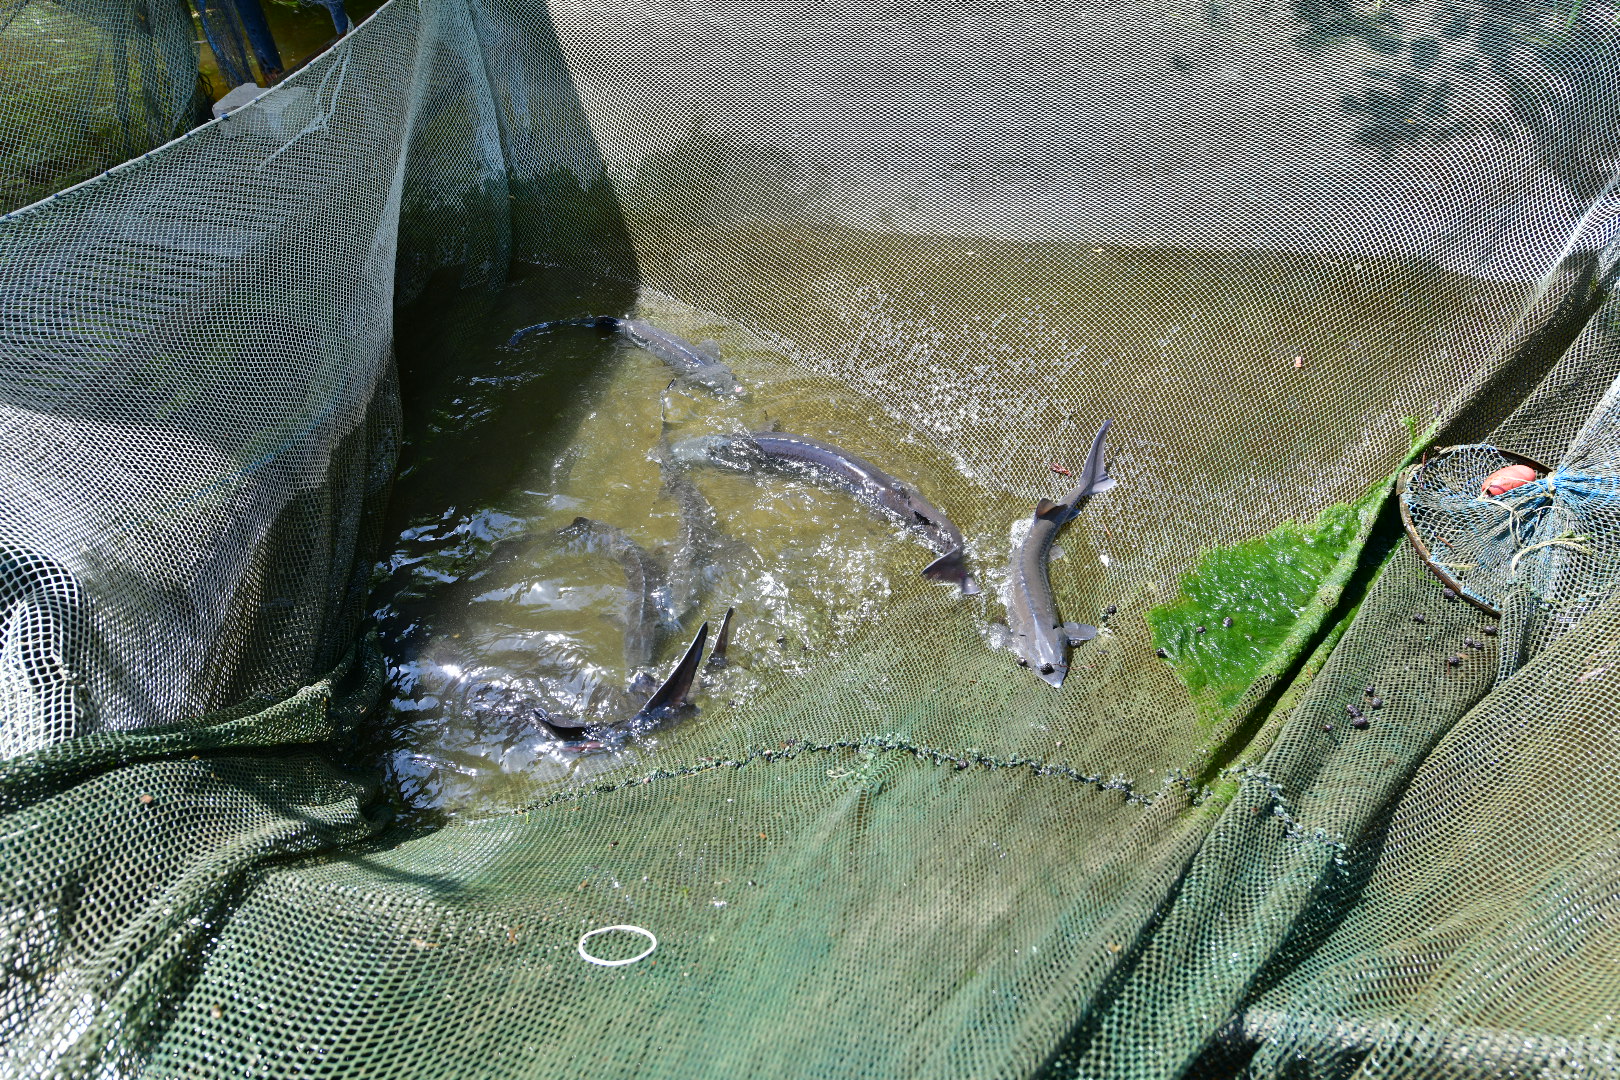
x,y
583,955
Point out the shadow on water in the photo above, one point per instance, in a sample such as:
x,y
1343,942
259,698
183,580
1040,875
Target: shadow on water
x,y
1549,69
484,430
1539,76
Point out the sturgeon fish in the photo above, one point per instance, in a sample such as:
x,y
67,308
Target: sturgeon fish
x,y
700,546
697,363
646,613
816,460
1040,637
669,700
646,609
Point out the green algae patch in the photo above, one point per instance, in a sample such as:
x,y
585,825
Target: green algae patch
x,y
1276,589
1269,587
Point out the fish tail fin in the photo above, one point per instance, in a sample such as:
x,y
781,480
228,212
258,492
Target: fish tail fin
x,y
950,567
673,693
1095,473
598,322
519,335
717,658
663,409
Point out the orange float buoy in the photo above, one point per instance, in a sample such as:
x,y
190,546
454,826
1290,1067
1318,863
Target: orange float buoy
x,y
1506,479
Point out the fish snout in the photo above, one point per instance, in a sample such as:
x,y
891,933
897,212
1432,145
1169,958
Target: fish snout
x,y
699,450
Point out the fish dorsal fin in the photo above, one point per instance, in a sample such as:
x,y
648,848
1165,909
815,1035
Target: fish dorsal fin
x,y
672,695
916,503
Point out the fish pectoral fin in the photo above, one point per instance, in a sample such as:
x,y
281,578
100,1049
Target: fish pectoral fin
x,y
1078,632
663,407
1047,510
566,726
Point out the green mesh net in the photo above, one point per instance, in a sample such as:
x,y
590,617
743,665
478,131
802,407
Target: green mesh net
x,y
1285,249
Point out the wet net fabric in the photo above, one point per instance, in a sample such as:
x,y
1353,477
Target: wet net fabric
x,y
1284,249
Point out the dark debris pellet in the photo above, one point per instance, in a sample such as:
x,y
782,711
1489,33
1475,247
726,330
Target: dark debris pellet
x,y
1163,655
1327,727
1352,710
1227,622
1375,703
1472,644
1198,629
962,764
1360,723
1419,619
1448,593
1454,661
1489,631
1370,691
1111,609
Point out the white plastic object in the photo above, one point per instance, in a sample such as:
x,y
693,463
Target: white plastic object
x,y
648,951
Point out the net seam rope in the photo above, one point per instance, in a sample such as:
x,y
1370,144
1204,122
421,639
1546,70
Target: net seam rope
x,y
1247,777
